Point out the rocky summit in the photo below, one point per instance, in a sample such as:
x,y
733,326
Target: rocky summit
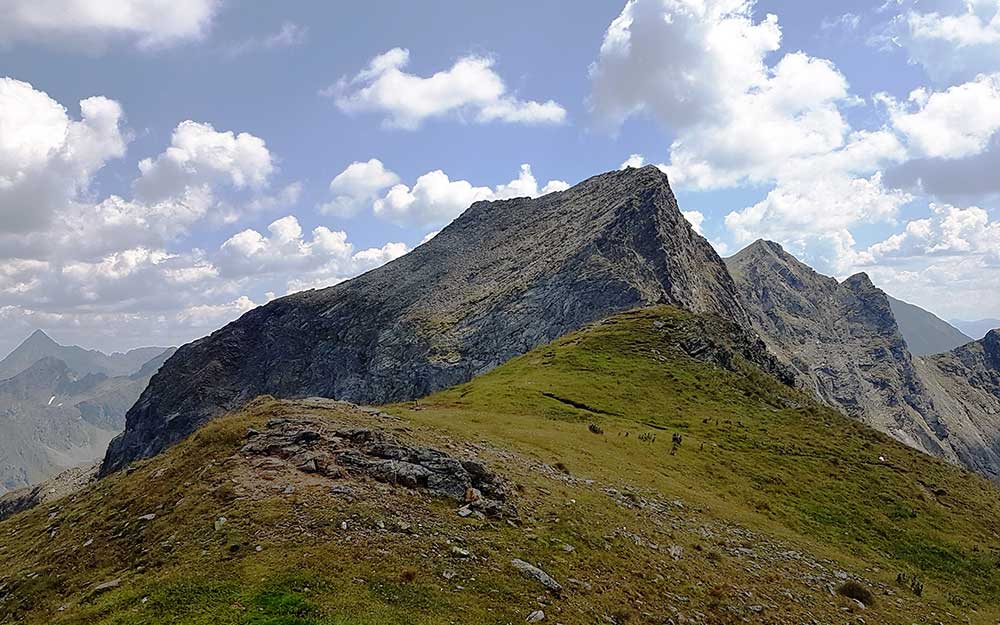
x,y
502,279
844,342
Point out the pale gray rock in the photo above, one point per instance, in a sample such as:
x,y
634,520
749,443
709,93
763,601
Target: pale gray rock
x,y
533,572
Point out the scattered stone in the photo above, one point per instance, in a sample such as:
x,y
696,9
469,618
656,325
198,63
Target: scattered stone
x,y
220,523
458,552
115,583
464,511
533,572
449,575
147,517
536,616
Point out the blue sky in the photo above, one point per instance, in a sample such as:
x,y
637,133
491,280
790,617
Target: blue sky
x,y
799,127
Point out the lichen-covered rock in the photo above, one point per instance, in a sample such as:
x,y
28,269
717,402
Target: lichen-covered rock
x,y
500,280
362,452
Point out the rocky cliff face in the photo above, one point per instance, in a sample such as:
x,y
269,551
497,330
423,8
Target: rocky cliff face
x,y
501,279
964,386
843,340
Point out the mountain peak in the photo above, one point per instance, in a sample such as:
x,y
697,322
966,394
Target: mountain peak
x,y
497,282
39,337
860,280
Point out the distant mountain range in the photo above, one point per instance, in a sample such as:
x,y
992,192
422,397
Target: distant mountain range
x,y
63,407
976,329
82,361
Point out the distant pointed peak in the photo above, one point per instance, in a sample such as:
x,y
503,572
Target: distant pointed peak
x,y
39,337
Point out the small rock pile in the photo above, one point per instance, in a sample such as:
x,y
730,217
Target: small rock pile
x,y
345,453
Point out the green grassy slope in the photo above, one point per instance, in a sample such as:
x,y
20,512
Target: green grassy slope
x,y
768,505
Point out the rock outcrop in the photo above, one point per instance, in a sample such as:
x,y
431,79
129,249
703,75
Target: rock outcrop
x,y
501,279
311,447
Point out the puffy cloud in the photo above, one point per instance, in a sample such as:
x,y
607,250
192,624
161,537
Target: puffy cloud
x,y
150,23
357,187
951,39
949,231
46,158
634,160
469,89
324,259
667,58
948,262
696,219
954,123
792,116
435,199
814,217
699,67
200,155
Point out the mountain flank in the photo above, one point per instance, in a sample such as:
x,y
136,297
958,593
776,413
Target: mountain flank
x,y
500,280
641,470
844,342
924,332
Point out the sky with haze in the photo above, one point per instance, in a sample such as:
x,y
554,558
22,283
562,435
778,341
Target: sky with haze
x,y
167,165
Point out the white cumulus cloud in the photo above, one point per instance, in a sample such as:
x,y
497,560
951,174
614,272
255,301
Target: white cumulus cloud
x,y
47,158
148,23
469,89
